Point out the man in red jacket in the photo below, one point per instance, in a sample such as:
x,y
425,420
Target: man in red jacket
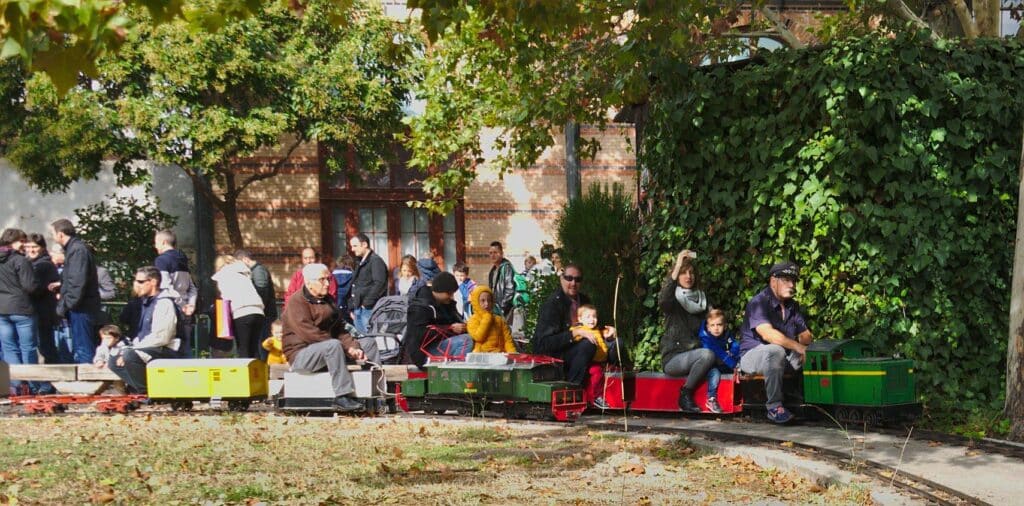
x,y
309,256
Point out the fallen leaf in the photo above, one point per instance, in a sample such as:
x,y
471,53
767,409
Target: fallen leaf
x,y
29,462
934,443
103,497
817,489
787,444
973,453
636,469
397,452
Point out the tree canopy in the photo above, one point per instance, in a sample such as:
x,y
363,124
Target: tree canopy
x,y
202,100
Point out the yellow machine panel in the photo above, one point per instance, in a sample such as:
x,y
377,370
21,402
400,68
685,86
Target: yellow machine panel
x,y
225,378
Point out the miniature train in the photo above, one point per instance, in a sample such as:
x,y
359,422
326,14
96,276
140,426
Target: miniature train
x,y
841,378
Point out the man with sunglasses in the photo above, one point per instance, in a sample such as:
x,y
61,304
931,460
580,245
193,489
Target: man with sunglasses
x,y
158,330
553,336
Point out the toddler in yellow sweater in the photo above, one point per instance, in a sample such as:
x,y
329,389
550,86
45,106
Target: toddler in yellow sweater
x,y
275,353
586,315
489,331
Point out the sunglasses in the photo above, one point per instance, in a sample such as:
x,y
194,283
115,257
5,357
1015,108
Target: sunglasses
x,y
578,279
140,281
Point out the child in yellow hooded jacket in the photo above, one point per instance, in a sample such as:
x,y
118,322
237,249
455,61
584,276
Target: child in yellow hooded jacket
x,y
489,331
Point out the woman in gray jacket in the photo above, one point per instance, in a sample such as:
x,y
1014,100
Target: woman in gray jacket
x,y
19,336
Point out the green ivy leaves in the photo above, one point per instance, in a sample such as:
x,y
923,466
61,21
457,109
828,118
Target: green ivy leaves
x,y
886,168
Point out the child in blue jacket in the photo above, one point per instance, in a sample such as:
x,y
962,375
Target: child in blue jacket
x,y
714,337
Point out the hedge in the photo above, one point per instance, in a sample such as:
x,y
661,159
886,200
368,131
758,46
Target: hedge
x,y
887,168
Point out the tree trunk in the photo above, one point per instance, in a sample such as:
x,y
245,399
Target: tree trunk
x,y
986,17
1015,348
230,211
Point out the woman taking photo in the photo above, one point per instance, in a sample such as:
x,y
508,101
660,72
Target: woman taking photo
x,y
684,307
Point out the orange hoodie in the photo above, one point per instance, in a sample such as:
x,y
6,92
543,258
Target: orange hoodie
x,y
489,331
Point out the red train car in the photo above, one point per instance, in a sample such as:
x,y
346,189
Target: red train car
x,y
657,392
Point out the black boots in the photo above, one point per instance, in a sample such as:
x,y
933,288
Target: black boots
x,y
686,402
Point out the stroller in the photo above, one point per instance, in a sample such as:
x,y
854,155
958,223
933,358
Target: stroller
x,y
387,326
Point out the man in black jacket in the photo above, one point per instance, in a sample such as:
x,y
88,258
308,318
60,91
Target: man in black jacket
x,y
369,281
553,336
79,291
435,305
502,279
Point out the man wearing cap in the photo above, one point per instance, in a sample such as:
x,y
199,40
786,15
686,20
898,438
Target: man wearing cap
x,y
434,305
774,335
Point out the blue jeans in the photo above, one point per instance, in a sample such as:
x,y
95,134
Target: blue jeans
x,y
714,376
362,316
83,336
455,346
19,342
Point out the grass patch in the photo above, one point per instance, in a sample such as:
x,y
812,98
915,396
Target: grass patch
x,y
239,459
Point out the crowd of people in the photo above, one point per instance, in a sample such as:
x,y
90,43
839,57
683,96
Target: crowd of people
x,y
51,306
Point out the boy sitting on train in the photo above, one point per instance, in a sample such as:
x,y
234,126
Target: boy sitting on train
x,y
275,353
111,345
586,317
489,331
715,337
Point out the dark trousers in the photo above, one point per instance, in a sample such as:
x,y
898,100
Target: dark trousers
x,y
133,372
576,360
47,343
248,330
83,336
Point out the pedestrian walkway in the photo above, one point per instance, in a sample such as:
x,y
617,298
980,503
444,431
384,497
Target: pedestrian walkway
x,y
993,479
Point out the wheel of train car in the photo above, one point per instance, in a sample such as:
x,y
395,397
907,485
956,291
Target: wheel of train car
x,y
181,405
239,405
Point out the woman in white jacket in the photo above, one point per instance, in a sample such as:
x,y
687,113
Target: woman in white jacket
x,y
234,280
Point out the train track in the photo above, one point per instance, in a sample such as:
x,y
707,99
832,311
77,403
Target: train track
x,y
914,484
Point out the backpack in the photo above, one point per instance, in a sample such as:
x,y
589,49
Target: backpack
x,y
387,325
522,296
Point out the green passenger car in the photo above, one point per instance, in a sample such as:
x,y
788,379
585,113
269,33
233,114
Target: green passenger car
x,y
846,378
514,385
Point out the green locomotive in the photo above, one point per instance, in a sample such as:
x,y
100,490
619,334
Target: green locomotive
x,y
515,385
851,383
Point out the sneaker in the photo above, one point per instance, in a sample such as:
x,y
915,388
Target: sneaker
x,y
345,403
686,403
712,405
779,415
600,403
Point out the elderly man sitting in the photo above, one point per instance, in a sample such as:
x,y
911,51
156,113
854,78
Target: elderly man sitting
x,y
313,337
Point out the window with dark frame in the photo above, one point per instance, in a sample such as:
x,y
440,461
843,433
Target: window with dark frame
x,y
377,205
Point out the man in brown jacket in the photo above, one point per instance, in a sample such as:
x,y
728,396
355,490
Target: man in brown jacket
x,y
313,338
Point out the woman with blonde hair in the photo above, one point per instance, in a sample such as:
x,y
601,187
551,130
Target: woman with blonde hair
x,y
408,280
685,306
234,280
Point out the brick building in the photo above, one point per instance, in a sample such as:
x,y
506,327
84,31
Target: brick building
x,y
306,206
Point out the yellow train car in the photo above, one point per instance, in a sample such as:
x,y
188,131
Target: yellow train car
x,y
239,381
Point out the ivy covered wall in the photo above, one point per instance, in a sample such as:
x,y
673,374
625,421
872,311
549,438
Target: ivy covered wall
x,y
887,168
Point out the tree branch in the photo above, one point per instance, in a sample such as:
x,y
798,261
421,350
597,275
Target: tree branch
x,y
275,170
780,26
963,14
904,12
204,187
